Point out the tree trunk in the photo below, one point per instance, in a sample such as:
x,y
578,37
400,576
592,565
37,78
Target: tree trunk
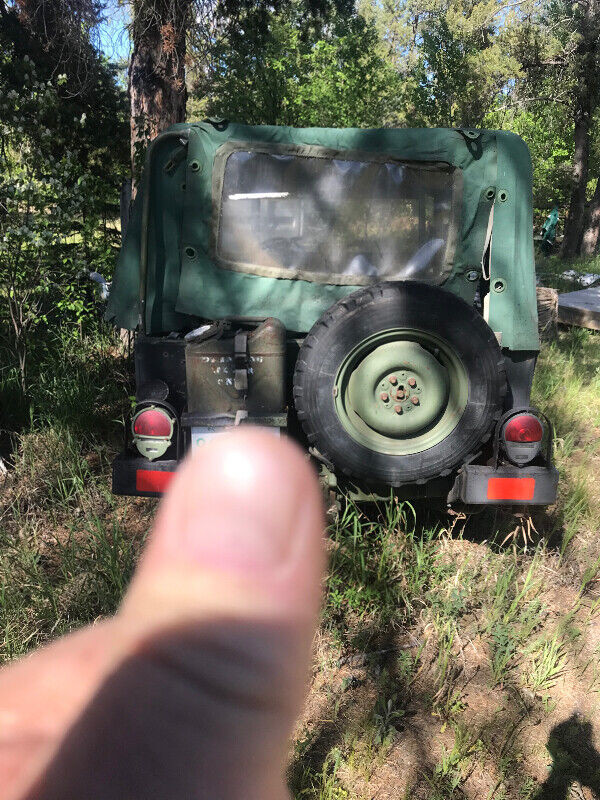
x,y
589,242
574,223
585,101
157,90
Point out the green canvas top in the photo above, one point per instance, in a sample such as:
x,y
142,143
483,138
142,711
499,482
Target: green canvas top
x,y
171,273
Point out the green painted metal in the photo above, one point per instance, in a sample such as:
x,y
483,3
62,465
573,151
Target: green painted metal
x,y
167,277
513,310
398,404
212,365
401,391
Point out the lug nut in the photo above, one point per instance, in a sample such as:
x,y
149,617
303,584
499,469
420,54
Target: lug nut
x,y
384,396
400,395
414,400
412,383
393,380
398,409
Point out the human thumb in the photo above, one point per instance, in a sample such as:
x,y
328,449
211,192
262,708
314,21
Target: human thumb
x,y
212,643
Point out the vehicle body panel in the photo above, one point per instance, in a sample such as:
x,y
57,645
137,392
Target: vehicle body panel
x,y
168,276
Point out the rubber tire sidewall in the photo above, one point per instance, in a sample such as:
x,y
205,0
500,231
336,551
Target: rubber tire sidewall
x,y
405,304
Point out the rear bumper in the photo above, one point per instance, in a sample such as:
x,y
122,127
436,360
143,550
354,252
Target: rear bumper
x,y
505,485
474,485
140,477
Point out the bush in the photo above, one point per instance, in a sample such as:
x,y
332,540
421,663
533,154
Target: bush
x,y
50,211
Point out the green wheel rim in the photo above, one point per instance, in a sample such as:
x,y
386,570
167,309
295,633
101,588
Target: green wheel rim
x,y
401,391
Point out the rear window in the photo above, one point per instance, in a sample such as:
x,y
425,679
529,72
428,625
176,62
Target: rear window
x,y
336,218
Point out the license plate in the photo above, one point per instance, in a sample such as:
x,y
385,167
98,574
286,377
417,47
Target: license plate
x,y
203,435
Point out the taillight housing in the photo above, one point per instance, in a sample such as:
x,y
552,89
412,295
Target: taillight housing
x,y
152,428
522,436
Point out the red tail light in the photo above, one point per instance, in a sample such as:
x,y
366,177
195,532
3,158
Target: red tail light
x,y
523,428
152,422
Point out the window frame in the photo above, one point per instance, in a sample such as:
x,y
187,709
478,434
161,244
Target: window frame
x,y
326,153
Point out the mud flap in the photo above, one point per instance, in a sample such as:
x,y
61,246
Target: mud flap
x,y
137,476
505,485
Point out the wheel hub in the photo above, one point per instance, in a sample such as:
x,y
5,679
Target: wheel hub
x,y
399,389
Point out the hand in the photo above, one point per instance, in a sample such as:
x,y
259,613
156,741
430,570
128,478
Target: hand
x,y
193,688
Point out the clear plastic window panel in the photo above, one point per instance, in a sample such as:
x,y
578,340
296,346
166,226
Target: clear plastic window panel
x,y
336,217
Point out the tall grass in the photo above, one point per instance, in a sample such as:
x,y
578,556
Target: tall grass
x,y
66,553
53,583
567,388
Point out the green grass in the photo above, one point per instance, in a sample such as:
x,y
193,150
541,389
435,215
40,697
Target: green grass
x,y
547,663
513,615
448,774
550,270
51,585
324,784
436,639
66,551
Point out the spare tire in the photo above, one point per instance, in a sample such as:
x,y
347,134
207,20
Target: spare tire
x,y
399,383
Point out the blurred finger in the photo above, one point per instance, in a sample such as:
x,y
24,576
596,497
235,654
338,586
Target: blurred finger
x,y
212,643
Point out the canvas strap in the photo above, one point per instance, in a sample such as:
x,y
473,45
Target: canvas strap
x,y
487,245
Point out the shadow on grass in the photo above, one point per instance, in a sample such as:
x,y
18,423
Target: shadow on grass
x,y
389,580
362,720
387,567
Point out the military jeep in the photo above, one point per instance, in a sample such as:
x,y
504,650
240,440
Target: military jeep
x,y
369,292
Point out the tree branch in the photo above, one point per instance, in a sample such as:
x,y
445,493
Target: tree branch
x,y
525,100
504,8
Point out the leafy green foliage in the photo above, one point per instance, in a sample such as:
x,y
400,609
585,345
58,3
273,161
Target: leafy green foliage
x,y
546,131
462,69
50,209
333,75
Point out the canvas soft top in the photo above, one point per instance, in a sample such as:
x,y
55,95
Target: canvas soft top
x,y
168,277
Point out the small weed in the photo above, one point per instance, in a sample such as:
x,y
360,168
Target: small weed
x,y
589,575
547,664
406,664
386,718
323,785
445,633
450,771
514,614
528,789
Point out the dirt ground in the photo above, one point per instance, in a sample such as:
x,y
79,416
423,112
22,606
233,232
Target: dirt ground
x,y
499,741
